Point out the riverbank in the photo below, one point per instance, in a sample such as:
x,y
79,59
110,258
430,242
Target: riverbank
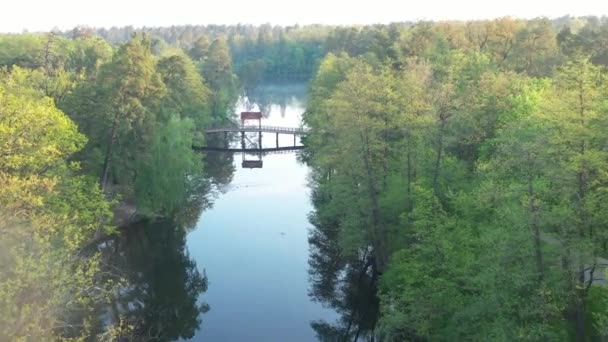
x,y
125,214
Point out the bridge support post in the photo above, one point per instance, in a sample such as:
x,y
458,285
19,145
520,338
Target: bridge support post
x,y
260,140
243,140
294,140
277,140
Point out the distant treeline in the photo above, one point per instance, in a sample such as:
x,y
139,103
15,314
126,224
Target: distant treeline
x,y
275,53
270,53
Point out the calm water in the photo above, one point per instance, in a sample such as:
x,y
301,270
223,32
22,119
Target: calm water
x,y
252,244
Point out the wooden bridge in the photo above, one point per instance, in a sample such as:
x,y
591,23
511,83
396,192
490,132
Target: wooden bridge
x,y
233,127
259,129
263,151
246,116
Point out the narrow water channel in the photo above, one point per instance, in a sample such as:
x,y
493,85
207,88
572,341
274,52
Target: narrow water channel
x,y
252,243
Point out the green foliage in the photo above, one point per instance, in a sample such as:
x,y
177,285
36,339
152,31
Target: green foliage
x,y
36,133
22,50
164,176
429,277
217,70
482,177
49,214
88,54
140,115
187,94
458,172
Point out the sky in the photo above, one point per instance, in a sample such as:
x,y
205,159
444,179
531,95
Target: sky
x,y
44,15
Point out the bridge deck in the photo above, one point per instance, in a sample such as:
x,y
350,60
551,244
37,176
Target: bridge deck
x,y
251,150
262,129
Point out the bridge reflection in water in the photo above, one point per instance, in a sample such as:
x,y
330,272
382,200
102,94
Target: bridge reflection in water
x,y
258,150
250,148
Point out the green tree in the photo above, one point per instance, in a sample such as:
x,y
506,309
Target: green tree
x,y
130,89
187,94
164,176
217,70
574,111
49,214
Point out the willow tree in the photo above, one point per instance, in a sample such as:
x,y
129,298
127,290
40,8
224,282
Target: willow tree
x,y
165,173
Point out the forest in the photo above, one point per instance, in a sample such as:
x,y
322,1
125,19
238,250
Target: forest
x,y
459,175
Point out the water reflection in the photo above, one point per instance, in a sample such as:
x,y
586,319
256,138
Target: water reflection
x,y
253,242
347,284
160,299
256,163
272,276
200,191
265,96
219,167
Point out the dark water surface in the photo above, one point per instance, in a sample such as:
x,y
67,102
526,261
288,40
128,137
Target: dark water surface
x,y
252,244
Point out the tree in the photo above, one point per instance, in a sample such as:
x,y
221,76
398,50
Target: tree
x,y
187,94
48,215
88,55
130,86
535,48
164,177
200,48
217,70
573,111
21,50
362,108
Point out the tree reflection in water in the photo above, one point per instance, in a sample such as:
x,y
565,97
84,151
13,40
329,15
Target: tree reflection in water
x,y
266,95
344,283
161,298
219,167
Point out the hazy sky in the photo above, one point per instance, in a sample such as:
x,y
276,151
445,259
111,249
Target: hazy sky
x,y
43,15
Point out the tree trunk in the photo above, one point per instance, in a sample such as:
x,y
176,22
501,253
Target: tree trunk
x,y
582,288
536,229
377,231
409,164
385,159
409,173
357,335
107,160
409,203
580,313
439,155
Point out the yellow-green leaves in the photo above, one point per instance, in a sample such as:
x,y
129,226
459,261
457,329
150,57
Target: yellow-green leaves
x,y
47,215
34,134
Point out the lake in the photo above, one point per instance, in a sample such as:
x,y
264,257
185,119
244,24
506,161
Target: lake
x,y
252,243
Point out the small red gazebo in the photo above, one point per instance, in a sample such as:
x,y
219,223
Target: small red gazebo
x,y
251,116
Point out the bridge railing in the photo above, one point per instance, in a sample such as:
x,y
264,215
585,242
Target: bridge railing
x,y
274,128
256,128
